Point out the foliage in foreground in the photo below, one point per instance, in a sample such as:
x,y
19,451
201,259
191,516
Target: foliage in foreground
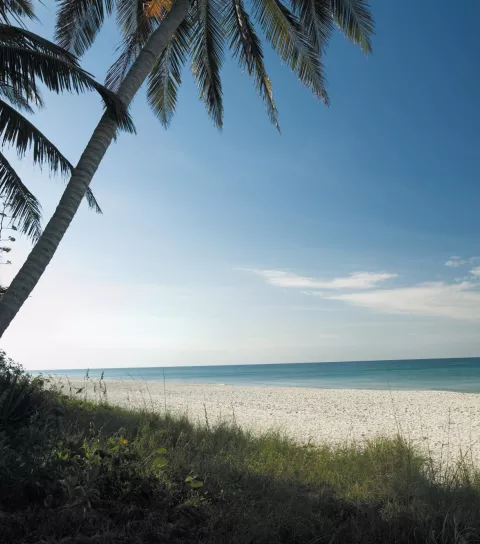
x,y
75,472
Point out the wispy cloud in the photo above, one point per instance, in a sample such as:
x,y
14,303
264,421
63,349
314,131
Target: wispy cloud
x,y
440,299
356,280
457,300
456,262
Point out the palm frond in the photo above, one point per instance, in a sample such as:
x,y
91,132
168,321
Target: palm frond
x,y
207,55
131,47
16,36
137,20
15,97
20,133
136,29
132,15
20,65
24,207
24,57
26,90
166,77
16,9
79,21
92,202
284,31
355,19
316,21
246,45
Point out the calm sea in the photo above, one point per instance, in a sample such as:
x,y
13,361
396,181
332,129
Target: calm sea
x,y
434,374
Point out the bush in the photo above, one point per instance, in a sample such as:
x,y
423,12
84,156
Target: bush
x,y
21,397
30,418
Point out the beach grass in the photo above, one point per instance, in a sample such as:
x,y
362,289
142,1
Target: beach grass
x,y
76,471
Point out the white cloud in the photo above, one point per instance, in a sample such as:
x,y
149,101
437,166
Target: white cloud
x,y
458,299
439,299
456,262
357,280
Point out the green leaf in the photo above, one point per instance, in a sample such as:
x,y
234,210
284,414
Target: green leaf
x,y
316,20
16,9
160,462
246,45
195,484
22,134
161,451
24,207
136,29
166,77
355,19
16,98
79,22
26,57
288,38
207,55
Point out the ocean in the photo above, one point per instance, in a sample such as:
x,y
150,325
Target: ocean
x,y
462,375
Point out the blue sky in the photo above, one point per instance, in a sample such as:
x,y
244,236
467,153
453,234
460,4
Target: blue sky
x,y
327,242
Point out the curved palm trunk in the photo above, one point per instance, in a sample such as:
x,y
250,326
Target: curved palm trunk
x,y
41,255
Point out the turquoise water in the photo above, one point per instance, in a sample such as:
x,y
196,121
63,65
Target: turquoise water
x,y
427,374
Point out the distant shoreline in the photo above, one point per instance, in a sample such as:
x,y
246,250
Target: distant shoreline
x,y
180,383
103,369
456,375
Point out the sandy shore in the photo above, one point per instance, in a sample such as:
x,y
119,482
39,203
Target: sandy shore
x,y
442,423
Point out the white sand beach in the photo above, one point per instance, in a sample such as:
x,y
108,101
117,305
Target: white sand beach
x,y
443,424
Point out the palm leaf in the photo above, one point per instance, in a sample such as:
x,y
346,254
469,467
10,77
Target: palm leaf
x,y
24,207
316,21
355,19
25,92
20,66
16,9
284,31
16,98
246,45
207,55
19,132
130,47
12,35
92,201
79,21
24,57
137,20
166,77
131,15
136,29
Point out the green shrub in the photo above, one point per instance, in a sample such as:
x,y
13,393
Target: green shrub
x,y
30,419
21,397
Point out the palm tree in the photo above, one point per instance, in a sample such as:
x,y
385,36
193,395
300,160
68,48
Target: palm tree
x,y
26,60
158,36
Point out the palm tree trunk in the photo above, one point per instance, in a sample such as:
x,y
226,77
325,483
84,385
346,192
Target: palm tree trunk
x,y
43,252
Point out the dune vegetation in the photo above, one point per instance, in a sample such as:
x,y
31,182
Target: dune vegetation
x,y
73,471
